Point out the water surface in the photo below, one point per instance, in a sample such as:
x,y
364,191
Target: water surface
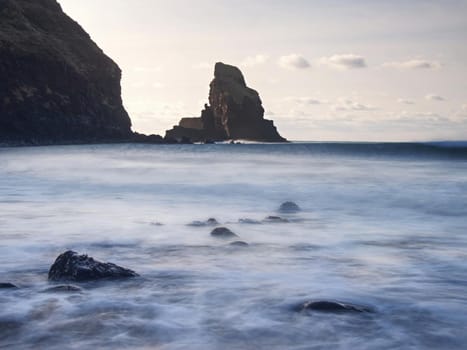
x,y
382,225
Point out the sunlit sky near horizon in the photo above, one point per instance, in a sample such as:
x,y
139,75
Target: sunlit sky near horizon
x,y
325,70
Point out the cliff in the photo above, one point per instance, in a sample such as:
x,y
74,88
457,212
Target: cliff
x,y
235,111
56,84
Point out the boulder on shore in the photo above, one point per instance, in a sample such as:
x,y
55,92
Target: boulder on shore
x,y
70,266
234,112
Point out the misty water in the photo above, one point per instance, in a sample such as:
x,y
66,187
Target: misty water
x,y
382,226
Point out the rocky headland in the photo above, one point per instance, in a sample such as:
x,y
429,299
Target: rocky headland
x,y
235,112
58,87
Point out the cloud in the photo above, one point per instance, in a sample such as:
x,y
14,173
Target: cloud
x,y
203,65
413,64
343,62
158,85
433,97
251,61
464,107
406,101
294,61
297,113
417,117
304,100
349,105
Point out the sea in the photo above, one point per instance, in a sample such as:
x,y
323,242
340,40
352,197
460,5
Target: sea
x,y
381,225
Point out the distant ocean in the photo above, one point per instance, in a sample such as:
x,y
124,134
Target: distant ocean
x,y
382,225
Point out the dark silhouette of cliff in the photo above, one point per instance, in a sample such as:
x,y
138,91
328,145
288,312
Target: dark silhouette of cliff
x,y
56,84
234,112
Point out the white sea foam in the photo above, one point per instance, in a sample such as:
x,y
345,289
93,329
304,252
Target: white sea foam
x,y
386,230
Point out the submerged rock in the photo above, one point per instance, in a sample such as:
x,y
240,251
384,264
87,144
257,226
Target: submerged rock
x,y
276,219
208,222
222,232
239,244
156,223
289,207
66,288
212,221
249,221
7,286
234,112
74,267
331,307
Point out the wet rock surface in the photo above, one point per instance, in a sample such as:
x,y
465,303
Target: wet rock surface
x,y
331,307
7,286
70,266
223,232
235,111
289,207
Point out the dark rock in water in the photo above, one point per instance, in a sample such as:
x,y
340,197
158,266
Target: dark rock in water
x,y
249,221
208,222
156,223
239,244
197,223
234,112
149,139
276,219
222,232
73,267
56,84
212,221
67,288
289,207
7,286
331,307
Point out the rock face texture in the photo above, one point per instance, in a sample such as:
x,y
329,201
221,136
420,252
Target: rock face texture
x,y
56,84
70,266
234,112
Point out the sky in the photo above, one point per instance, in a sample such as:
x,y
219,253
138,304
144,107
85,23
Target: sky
x,y
326,70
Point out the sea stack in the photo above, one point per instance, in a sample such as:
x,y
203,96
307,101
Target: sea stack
x,y
234,112
56,84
